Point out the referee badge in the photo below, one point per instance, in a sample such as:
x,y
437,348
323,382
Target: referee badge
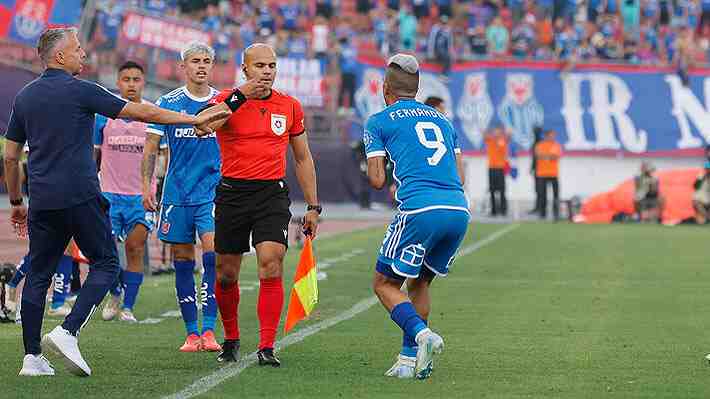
x,y
278,124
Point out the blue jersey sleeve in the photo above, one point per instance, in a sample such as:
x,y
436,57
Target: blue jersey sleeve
x,y
158,129
99,124
372,138
15,129
99,100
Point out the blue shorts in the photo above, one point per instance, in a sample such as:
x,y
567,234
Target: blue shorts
x,y
126,211
426,238
178,224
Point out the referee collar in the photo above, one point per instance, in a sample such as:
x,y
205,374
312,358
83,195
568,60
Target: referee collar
x,y
55,72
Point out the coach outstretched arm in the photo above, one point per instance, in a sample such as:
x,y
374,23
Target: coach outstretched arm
x,y
376,172
153,114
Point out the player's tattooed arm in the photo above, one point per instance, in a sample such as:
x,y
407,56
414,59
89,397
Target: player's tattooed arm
x,y
150,155
376,172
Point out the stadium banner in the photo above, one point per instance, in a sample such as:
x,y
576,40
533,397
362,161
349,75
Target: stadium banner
x,y
23,21
160,33
597,110
299,77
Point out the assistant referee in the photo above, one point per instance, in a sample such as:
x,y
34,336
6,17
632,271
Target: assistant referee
x,y
252,199
54,114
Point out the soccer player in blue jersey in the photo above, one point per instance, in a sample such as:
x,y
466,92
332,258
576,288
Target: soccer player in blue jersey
x,y
187,206
432,217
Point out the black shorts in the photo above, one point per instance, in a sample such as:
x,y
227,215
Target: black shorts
x,y
256,208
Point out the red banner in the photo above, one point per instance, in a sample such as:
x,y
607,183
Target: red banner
x,y
163,34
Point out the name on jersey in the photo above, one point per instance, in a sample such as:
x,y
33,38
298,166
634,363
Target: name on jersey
x,y
189,133
132,144
415,113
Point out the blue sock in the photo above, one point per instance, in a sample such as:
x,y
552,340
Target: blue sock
x,y
409,345
133,283
407,319
62,281
117,287
209,300
185,288
20,272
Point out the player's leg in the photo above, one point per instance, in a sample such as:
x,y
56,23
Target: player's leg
x,y
503,199
400,242
555,198
91,227
233,225
133,276
49,235
492,190
177,227
204,222
62,284
118,229
270,237
543,197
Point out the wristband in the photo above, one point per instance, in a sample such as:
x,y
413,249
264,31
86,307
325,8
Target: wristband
x,y
16,202
235,100
317,208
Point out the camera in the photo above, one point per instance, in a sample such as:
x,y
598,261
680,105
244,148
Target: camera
x,y
7,270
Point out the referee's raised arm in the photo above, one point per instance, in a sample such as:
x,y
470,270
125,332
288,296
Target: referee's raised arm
x,y
55,114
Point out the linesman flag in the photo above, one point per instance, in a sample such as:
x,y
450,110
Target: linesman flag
x,y
304,294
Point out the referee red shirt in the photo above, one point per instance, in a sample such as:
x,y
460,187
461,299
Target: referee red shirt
x,y
254,139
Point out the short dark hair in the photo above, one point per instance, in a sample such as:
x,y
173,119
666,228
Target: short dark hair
x,y
131,65
433,101
401,82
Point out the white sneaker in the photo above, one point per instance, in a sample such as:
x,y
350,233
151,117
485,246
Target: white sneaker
x,y
430,343
127,316
61,311
402,368
61,343
111,308
36,365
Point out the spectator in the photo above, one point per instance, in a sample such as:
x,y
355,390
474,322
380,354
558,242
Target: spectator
x,y
348,67
497,36
566,40
265,20
631,15
645,53
497,150
547,170
320,33
477,41
445,9
546,8
407,29
440,43
421,8
324,8
523,38
108,20
701,196
290,11
648,202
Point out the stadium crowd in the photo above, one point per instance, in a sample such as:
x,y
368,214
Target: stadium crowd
x,y
633,31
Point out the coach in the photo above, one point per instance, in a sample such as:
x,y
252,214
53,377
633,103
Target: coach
x,y
54,114
252,200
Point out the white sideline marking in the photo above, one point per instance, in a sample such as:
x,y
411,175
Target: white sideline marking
x,y
206,383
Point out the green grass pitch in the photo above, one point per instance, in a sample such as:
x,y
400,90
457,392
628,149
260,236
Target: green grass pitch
x,y
544,311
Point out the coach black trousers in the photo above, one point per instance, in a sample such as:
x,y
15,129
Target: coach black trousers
x,y
49,232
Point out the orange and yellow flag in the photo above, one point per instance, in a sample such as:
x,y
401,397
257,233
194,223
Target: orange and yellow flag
x,y
304,294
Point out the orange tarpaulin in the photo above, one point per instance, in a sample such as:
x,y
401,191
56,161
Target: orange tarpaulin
x,y
676,188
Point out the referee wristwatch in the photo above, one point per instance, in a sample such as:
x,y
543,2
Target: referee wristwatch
x,y
317,208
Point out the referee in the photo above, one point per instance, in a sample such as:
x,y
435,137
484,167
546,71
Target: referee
x,y
252,203
54,114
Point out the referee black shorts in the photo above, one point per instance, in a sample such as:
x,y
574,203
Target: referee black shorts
x,y
250,208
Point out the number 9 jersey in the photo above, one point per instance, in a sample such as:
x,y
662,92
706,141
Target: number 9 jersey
x,y
422,145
